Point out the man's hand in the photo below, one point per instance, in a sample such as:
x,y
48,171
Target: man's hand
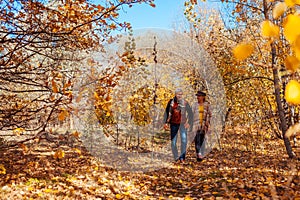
x,y
166,126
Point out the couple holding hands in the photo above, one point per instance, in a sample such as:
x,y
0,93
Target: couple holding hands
x,y
181,117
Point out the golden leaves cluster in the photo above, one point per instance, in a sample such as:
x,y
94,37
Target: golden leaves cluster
x,y
140,106
284,25
291,32
271,31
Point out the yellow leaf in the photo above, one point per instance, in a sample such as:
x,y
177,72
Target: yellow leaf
x,y
242,51
291,63
120,178
269,30
59,154
119,196
187,198
292,92
279,9
77,151
96,96
291,3
296,47
2,169
18,131
291,28
48,190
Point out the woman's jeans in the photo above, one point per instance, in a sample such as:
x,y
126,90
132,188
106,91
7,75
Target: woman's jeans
x,y
174,130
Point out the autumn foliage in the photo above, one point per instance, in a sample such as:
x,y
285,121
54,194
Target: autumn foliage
x,y
46,45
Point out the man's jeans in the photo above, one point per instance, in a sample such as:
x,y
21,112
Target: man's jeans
x,y
174,130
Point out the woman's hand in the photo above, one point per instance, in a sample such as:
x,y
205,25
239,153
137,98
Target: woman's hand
x,y
187,125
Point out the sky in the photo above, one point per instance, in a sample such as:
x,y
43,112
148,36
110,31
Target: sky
x,y
164,15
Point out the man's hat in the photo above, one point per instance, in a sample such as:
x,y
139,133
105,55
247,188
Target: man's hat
x,y
200,93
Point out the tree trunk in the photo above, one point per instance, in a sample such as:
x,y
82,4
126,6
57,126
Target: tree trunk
x,y
283,123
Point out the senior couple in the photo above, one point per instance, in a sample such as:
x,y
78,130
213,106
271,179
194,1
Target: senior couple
x,y
180,117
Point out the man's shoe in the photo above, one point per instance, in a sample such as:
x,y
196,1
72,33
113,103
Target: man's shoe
x,y
181,160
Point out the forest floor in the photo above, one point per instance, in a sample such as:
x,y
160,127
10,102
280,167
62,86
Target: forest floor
x,y
245,167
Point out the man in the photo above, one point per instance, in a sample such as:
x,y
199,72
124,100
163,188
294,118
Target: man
x,y
202,116
179,116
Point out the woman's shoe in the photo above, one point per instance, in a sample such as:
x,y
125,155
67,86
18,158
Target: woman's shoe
x,y
199,157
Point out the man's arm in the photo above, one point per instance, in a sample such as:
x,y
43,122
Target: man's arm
x,y
167,111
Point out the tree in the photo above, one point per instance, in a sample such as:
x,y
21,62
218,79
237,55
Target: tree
x,y
42,44
255,34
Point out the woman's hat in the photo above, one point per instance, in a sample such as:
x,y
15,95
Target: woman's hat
x,y
200,93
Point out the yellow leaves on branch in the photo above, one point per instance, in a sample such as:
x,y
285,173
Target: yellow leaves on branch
x,y
269,30
291,27
292,63
279,9
292,92
242,51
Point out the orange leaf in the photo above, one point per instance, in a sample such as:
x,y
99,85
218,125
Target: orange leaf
x,y
76,134
62,115
96,96
152,5
2,169
291,3
292,92
291,28
242,51
292,63
24,147
59,154
296,47
54,86
269,30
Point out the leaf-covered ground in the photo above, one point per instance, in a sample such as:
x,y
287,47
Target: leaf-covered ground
x,y
245,167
